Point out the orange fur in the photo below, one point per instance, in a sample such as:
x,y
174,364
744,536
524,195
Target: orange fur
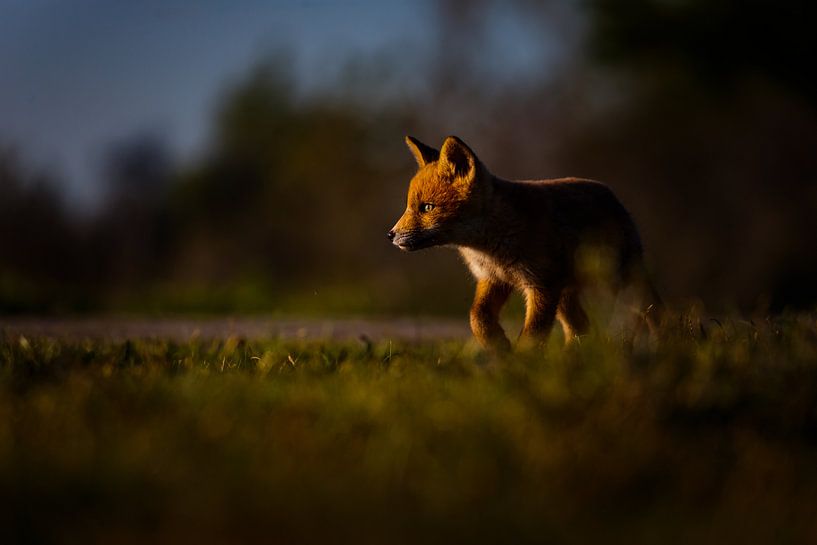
x,y
523,235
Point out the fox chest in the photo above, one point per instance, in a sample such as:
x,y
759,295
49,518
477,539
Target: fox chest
x,y
486,267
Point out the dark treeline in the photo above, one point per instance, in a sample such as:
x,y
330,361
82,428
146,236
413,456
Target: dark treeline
x,y
702,115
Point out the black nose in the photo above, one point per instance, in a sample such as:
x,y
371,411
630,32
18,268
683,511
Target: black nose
x,y
390,234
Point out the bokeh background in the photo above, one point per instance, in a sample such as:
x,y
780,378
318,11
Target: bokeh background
x,y
248,156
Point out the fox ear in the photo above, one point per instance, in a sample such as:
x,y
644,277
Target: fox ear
x,y
457,160
422,153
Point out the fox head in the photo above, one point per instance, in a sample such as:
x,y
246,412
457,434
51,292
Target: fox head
x,y
445,197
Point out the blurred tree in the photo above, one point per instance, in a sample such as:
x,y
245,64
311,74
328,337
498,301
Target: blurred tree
x,y
295,196
132,237
38,264
711,134
721,42
702,115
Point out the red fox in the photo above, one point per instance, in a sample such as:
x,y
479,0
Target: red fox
x,y
525,235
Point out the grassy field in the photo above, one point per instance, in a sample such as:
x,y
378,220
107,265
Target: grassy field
x,y
709,435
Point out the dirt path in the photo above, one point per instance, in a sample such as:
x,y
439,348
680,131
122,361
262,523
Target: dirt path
x,y
181,329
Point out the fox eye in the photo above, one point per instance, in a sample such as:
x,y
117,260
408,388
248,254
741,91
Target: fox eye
x,y
426,207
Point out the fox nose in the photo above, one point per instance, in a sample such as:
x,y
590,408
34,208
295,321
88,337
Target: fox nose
x,y
390,234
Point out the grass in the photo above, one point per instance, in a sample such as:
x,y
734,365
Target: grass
x,y
708,436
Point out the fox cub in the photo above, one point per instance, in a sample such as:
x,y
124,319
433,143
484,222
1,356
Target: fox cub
x,y
526,235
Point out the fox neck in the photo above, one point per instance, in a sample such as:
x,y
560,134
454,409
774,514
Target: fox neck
x,y
488,225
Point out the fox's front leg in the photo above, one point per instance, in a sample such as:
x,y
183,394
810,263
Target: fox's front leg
x,y
488,301
540,313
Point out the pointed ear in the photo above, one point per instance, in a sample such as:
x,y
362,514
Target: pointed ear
x,y
422,153
457,160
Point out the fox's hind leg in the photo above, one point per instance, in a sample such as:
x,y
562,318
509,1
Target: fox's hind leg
x,y
540,312
488,301
571,315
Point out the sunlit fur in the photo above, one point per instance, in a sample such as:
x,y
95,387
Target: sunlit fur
x,y
523,235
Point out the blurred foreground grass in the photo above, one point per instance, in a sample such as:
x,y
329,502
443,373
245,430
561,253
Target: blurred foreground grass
x,y
708,436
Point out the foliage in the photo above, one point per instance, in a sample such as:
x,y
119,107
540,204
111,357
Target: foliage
x,y
700,114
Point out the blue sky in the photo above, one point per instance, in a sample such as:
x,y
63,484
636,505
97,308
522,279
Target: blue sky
x,y
78,75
